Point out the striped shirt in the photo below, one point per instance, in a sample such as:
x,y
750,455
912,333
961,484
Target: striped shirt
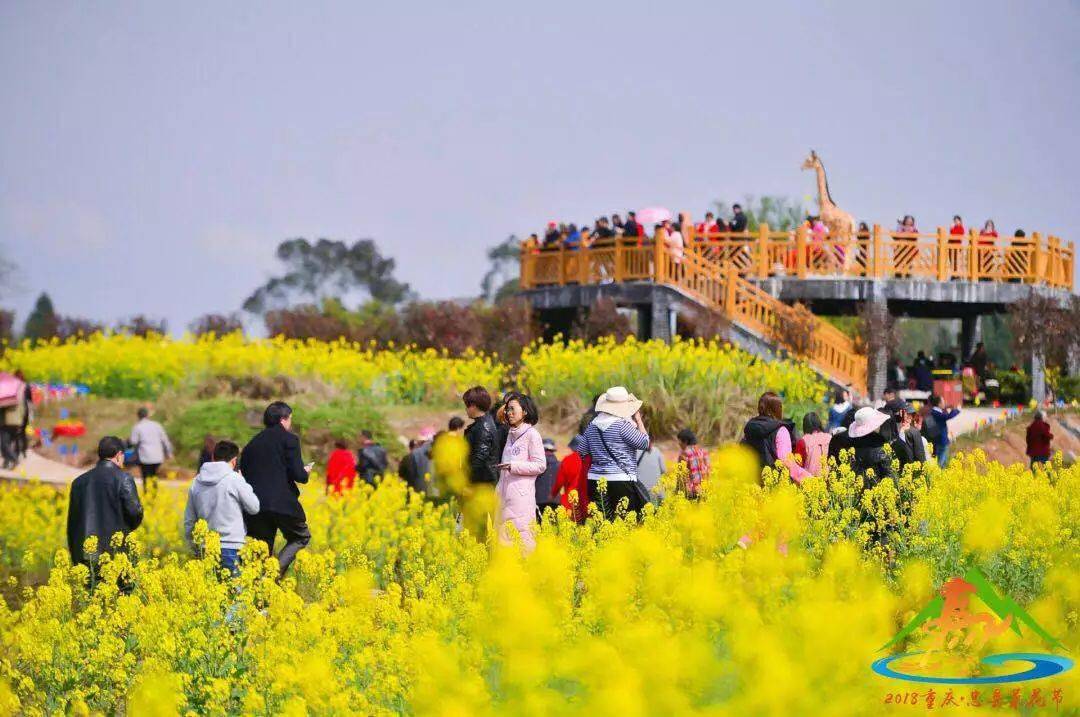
x,y
623,441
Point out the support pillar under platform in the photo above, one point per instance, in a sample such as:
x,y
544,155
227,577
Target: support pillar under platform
x,y
970,335
878,359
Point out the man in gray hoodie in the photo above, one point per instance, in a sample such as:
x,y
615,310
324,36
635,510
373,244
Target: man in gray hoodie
x,y
220,496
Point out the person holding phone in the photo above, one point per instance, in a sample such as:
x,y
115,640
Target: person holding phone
x,y
612,440
272,464
522,461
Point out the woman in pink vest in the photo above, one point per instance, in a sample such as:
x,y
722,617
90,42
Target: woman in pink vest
x,y
813,447
523,460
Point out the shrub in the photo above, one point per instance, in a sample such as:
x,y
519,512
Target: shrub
x,y
70,327
441,325
507,327
307,322
142,326
1014,387
218,324
222,418
323,423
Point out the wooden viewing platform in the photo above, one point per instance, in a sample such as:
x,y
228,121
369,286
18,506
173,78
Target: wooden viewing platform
x,y
725,272
939,256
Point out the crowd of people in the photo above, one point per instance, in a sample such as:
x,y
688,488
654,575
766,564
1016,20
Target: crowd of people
x,y
575,236
675,235
252,492
613,464
920,374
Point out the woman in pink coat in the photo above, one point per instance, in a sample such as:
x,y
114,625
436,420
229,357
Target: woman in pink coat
x,y
522,461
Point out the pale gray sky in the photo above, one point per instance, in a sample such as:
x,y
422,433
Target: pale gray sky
x,y
152,155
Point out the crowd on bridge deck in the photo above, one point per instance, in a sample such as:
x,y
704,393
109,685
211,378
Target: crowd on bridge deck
x,y
713,228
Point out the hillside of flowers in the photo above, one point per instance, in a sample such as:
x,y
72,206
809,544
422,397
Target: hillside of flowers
x,y
395,609
708,384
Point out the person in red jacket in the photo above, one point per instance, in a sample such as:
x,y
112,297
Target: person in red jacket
x,y
573,476
1038,439
340,469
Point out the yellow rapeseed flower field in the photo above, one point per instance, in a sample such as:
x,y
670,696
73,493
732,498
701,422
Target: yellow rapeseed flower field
x,y
396,609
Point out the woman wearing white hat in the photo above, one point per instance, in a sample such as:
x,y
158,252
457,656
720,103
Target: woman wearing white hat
x,y
612,440
869,444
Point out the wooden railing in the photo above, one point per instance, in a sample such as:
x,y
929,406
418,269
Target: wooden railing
x,y
877,254
715,269
716,285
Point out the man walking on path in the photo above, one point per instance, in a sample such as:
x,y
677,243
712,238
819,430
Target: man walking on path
x,y
104,501
271,463
936,429
1038,439
151,444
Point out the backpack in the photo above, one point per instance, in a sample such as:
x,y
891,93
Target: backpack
x,y
12,390
931,428
765,447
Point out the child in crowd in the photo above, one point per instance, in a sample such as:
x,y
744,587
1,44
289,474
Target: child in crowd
x,y
220,496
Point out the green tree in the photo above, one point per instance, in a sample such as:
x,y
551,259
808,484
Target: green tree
x,y
502,280
326,268
780,213
42,323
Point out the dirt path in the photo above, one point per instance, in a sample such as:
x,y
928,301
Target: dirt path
x,y
37,467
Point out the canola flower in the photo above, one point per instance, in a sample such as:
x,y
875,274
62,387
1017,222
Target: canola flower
x,y
119,365
395,609
703,383
695,374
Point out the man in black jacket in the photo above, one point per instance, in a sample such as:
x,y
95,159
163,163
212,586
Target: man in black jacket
x,y
483,436
738,219
271,463
103,502
908,444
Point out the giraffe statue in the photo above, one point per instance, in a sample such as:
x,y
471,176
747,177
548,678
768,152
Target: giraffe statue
x,y
841,224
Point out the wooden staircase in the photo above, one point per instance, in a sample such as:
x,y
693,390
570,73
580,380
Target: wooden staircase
x,y
715,285
721,288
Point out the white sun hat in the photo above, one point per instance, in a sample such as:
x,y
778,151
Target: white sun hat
x,y
618,402
867,420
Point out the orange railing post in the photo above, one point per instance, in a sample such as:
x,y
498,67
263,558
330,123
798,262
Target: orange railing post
x,y
619,273
879,252
973,256
562,265
1037,259
526,258
1053,260
659,237
731,291
942,254
800,251
763,251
